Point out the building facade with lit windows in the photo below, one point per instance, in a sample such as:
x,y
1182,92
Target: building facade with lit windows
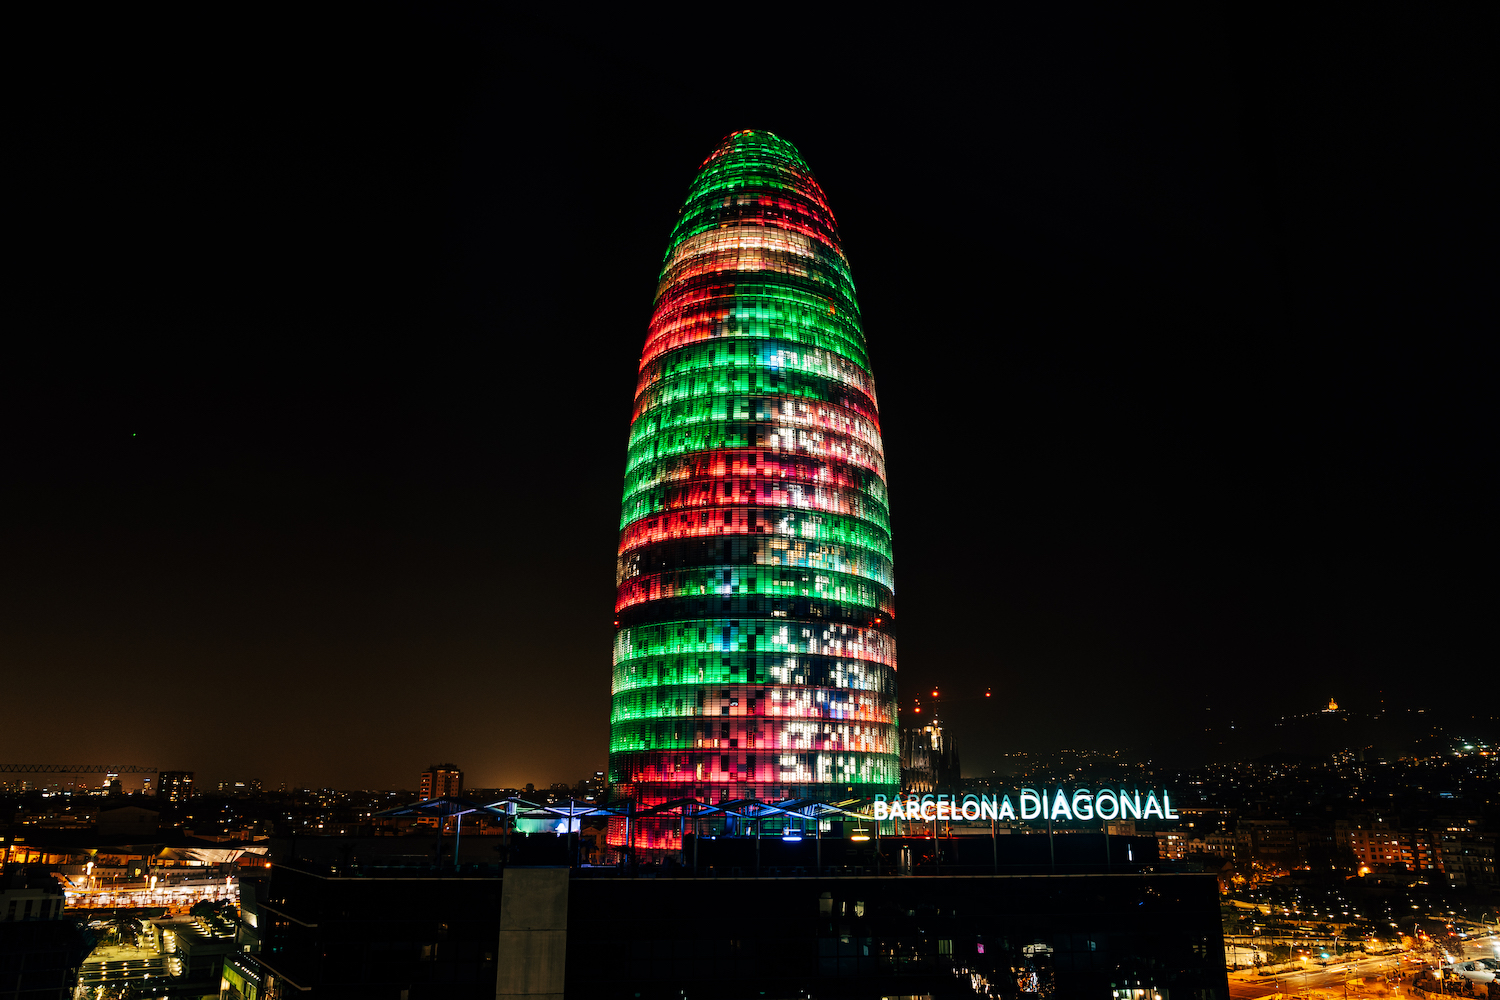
x,y
439,781
755,653
1377,844
174,786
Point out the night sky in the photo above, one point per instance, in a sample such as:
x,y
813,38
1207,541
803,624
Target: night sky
x,y
322,350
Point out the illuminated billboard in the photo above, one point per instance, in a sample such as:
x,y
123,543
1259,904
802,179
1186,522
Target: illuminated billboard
x,y
754,652
1059,805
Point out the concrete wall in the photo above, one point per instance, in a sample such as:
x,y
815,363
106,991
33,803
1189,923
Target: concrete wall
x,y
532,954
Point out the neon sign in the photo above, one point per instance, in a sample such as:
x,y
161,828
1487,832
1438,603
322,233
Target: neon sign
x,y
1081,804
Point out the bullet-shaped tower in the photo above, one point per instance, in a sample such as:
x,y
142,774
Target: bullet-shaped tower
x,y
754,651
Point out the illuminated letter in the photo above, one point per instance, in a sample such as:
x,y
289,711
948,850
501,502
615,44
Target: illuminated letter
x,y
1060,808
1083,804
882,811
929,811
971,801
988,808
1151,805
1008,811
1031,803
1129,806
1166,804
896,811
1107,795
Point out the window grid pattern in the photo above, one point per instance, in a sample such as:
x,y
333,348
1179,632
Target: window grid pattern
x,y
755,652
752,364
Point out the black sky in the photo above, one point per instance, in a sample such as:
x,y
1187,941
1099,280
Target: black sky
x,y
324,338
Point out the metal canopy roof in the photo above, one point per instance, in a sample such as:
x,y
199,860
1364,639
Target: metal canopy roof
x,y
515,806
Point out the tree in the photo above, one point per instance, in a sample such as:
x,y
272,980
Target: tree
x,y
1323,855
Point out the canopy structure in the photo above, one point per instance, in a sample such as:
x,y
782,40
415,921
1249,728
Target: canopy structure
x,y
742,817
443,807
515,807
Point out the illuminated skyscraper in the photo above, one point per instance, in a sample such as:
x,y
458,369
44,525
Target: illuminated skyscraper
x,y
754,654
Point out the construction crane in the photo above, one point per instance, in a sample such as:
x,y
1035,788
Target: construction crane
x,y
77,769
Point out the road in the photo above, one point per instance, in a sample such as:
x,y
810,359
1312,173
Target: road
x,y
1246,986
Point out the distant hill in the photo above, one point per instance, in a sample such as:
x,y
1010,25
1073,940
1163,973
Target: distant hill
x,y
1319,736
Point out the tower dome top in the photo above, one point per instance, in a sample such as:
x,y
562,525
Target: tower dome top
x,y
750,142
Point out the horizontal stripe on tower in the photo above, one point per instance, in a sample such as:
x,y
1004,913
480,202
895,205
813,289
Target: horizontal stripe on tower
x,y
843,733
749,263
748,364
784,209
763,247
724,635
683,390
765,556
803,200
755,179
726,519
701,682
748,477
671,788
780,412
865,773
646,590
777,439
752,174
761,607
744,234
758,295
693,713
755,305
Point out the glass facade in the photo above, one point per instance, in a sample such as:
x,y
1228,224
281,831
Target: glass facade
x,y
755,653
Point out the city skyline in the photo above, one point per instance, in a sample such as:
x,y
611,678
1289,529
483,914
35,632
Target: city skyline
x,y
315,473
